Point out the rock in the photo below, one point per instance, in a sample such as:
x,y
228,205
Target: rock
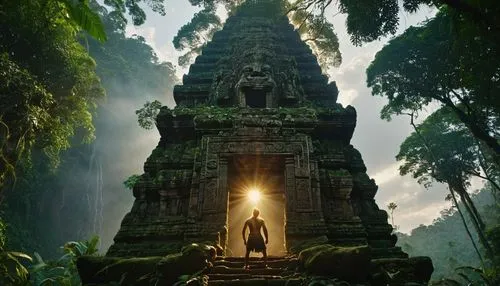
x,y
344,263
304,244
398,271
192,259
146,271
96,270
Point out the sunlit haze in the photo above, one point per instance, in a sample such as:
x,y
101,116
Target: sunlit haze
x,y
254,195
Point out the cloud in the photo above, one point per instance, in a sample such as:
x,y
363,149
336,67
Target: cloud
x,y
349,77
388,174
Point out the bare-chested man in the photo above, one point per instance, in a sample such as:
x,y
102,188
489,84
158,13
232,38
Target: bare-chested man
x,y
255,241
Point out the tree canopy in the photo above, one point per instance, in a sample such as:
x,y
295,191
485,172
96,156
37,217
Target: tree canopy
x,y
442,62
320,34
48,73
194,35
443,241
44,208
312,25
442,149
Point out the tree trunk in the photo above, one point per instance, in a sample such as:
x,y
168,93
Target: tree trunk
x,y
476,130
464,196
465,225
475,222
482,162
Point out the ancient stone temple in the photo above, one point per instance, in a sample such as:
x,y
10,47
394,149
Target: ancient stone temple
x,y
255,111
254,101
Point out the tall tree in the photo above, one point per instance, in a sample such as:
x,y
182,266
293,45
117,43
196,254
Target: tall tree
x,y
392,206
193,36
49,88
369,20
442,62
320,35
48,205
442,149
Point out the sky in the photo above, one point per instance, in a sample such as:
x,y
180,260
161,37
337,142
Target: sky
x,y
376,139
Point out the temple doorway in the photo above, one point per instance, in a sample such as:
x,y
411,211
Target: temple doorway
x,y
248,175
256,98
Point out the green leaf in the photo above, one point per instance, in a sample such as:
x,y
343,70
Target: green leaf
x,y
86,19
21,255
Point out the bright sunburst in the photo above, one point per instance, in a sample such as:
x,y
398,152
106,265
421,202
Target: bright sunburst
x,y
254,195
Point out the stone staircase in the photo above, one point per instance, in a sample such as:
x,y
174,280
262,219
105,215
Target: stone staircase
x,y
230,271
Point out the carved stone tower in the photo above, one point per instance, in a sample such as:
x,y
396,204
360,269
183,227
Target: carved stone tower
x,y
255,94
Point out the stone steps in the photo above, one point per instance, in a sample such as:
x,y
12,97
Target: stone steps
x,y
242,276
280,263
230,271
251,271
256,282
250,259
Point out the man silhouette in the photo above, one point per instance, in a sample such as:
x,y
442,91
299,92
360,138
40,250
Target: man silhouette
x,y
255,242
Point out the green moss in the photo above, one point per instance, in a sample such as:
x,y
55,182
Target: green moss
x,y
131,181
338,173
297,247
157,152
345,263
325,147
109,269
146,271
300,112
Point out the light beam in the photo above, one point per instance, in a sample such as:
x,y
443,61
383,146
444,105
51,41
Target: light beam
x,y
254,195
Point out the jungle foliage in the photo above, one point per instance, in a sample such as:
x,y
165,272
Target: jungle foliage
x,y
312,25
445,65
59,76
368,20
17,268
58,57
447,61
55,78
452,255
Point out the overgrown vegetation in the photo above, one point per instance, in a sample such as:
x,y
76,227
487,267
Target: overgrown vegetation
x,y
58,57
453,254
445,63
18,268
51,172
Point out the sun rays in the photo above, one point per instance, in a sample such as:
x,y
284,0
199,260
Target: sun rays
x,y
254,195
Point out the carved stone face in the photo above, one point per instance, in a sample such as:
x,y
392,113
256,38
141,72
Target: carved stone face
x,y
256,76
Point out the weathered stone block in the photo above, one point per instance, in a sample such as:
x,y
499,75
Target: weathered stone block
x,y
345,263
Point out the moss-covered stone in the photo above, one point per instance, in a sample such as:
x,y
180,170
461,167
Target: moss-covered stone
x,y
396,271
193,258
305,244
345,263
145,270
101,270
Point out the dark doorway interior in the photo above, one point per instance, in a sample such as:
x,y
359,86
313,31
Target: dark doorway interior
x,y
265,173
255,98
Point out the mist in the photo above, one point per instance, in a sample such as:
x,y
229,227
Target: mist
x,y
123,147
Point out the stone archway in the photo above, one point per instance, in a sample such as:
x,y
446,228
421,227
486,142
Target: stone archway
x,y
210,193
265,174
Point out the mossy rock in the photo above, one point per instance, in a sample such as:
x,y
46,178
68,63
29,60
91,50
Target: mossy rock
x,y
350,264
398,271
193,258
111,269
301,245
166,270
